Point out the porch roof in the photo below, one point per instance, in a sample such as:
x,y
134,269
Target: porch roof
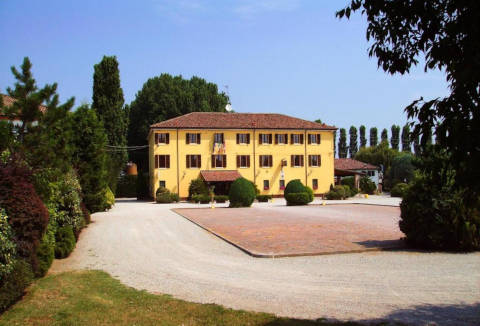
x,y
222,175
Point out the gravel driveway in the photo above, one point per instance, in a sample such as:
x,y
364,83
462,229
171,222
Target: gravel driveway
x,y
147,246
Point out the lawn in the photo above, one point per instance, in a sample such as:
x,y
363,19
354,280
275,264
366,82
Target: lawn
x,y
95,298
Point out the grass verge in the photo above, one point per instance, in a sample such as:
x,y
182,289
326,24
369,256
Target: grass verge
x,y
95,298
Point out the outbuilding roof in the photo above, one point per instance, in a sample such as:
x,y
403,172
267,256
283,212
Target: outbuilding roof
x,y
351,164
221,120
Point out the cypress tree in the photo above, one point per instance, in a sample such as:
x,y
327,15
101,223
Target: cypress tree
x,y
108,103
395,140
334,144
342,144
384,136
406,139
363,139
416,145
373,136
353,146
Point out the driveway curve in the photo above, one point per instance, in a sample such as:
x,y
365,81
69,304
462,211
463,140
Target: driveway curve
x,y
147,246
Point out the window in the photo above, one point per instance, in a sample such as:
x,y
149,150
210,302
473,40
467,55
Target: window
x,y
243,161
162,138
315,183
219,161
266,184
218,138
162,183
296,160
281,138
243,138
296,139
194,161
266,161
193,138
371,173
282,184
162,161
314,139
314,160
265,138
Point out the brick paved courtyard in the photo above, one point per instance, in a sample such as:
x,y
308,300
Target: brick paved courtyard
x,y
303,230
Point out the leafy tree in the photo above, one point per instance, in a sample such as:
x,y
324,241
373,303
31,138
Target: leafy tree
x,y
406,139
378,155
319,121
402,169
395,140
342,144
416,144
363,139
384,136
108,103
89,157
353,146
444,34
165,97
373,136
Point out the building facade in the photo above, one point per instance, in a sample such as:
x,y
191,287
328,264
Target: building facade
x,y
268,149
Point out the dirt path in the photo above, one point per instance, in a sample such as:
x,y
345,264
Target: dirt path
x,y
147,246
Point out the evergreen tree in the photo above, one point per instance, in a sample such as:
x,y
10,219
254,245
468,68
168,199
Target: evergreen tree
x,y
384,136
334,144
108,103
90,157
342,144
416,145
363,139
373,137
353,146
395,140
167,97
406,139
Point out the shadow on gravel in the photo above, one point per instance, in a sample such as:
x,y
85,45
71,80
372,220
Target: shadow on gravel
x,y
438,315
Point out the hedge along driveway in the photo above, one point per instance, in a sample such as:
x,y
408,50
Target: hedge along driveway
x,y
147,246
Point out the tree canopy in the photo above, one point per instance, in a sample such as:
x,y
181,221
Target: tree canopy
x,y
342,144
363,139
165,97
373,136
353,144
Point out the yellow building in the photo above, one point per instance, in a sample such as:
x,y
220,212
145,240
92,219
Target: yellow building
x,y
268,149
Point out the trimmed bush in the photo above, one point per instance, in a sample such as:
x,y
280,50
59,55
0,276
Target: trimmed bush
x,y
220,199
399,190
175,197
13,286
367,186
263,198
126,187
338,192
64,241
310,193
294,186
297,198
197,187
27,215
7,246
242,193
46,250
201,198
86,213
257,191
349,181
109,198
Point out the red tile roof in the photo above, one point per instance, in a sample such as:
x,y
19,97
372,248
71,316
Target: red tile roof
x,y
351,164
8,101
220,120
224,175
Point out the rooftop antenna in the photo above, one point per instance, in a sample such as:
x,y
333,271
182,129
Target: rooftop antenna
x,y
228,107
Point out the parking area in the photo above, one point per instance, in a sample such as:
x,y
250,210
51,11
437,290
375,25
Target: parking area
x,y
280,231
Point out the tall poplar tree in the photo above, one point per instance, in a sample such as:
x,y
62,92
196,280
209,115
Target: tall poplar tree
x,y
406,139
395,140
384,136
353,145
342,144
373,137
108,103
363,139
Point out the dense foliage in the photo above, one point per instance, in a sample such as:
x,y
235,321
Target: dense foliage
x,y
108,104
64,241
297,198
402,169
126,186
263,198
197,187
395,139
353,145
373,136
201,198
363,139
13,286
342,144
406,139
367,186
7,246
384,137
338,192
164,196
220,198
399,190
296,193
165,97
242,193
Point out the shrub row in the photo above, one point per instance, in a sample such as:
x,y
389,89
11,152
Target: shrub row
x,y
164,196
263,198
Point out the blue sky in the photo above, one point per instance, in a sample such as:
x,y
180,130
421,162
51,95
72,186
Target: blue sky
x,y
287,56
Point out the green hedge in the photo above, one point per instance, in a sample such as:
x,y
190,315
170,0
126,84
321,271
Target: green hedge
x,y
298,198
197,187
13,286
338,192
263,198
242,193
64,242
294,186
221,199
399,190
201,198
